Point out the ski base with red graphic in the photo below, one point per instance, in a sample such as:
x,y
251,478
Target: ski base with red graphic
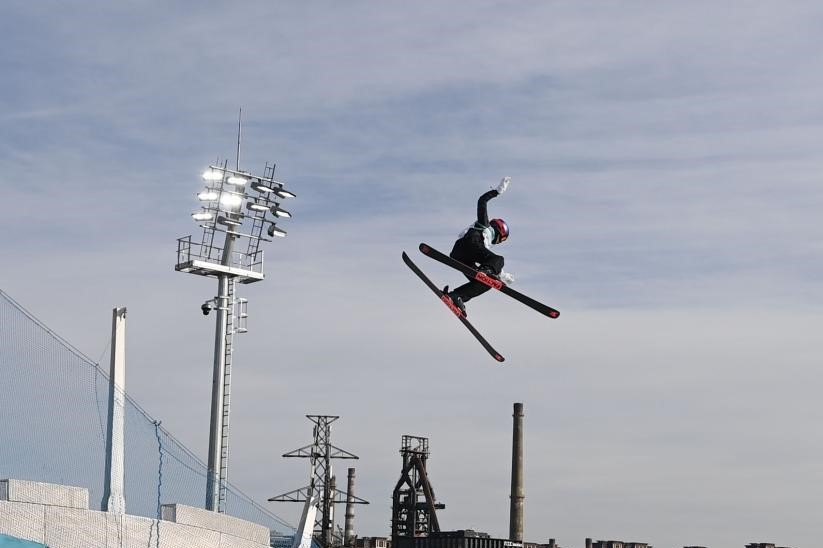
x,y
490,281
455,310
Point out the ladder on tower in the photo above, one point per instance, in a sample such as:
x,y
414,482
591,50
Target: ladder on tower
x,y
258,220
224,441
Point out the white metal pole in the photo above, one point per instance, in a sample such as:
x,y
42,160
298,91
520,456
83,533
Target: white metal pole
x,y
114,500
214,480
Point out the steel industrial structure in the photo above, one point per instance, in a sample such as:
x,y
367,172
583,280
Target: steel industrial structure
x,y
236,206
322,482
413,503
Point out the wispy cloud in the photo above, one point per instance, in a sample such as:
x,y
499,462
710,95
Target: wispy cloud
x,y
665,197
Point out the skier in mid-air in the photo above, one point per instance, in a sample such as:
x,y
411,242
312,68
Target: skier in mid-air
x,y
473,248
472,256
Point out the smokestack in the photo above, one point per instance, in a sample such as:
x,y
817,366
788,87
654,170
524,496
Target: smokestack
x,y
348,532
588,543
518,491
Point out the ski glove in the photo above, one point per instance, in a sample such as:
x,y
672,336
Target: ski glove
x,y
506,278
504,184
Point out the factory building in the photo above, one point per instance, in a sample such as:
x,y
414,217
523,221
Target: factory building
x,y
615,544
467,538
372,542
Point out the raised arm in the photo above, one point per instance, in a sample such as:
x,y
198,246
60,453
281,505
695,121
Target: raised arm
x,y
482,213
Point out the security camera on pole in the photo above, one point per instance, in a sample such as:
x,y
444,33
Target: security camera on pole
x,y
236,207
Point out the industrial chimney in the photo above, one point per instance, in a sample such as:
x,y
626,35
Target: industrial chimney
x,y
348,532
518,491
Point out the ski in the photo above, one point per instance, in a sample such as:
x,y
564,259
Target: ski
x,y
456,311
490,281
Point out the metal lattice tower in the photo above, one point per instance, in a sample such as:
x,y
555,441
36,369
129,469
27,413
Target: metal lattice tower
x,y
236,205
322,484
413,503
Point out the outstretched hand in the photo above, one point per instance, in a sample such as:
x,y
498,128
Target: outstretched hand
x,y
504,184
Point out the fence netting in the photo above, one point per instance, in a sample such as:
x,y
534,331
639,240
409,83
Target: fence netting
x,y
53,409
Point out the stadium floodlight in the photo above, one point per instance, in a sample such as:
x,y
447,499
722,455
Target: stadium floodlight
x,y
212,174
277,211
231,201
260,187
226,223
275,188
283,193
253,206
275,230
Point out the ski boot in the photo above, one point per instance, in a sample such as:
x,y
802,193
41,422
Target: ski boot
x,y
457,301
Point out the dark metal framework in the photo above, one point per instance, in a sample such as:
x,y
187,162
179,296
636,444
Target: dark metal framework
x,y
322,484
413,502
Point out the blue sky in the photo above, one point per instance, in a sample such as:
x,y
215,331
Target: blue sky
x,y
665,197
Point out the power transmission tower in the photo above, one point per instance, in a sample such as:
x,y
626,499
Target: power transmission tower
x,y
321,485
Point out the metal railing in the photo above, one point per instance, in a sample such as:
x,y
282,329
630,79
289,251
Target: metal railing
x,y
188,251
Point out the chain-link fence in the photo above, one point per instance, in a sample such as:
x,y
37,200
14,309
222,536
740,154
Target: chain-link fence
x,y
53,404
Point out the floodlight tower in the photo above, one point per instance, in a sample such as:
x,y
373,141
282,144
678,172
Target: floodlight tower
x,y
236,206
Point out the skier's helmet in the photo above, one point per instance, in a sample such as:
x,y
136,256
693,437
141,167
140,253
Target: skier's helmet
x,y
501,230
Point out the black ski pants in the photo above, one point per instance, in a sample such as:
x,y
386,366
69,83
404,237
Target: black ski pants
x,y
470,250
